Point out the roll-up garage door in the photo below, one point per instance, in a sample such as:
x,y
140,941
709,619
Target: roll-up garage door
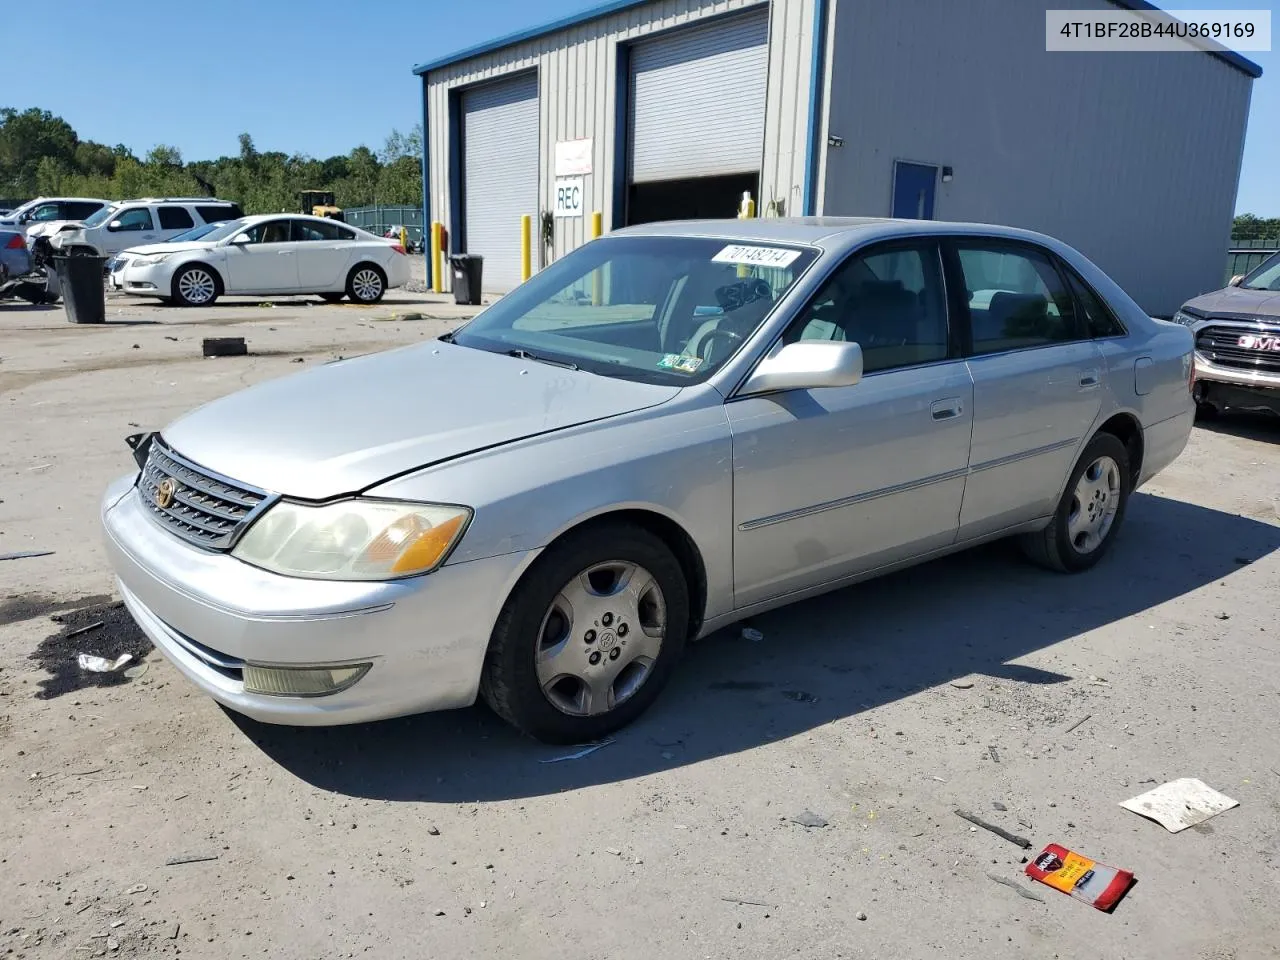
x,y
697,100
500,164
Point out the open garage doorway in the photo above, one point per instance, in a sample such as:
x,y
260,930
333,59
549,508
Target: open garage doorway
x,y
696,198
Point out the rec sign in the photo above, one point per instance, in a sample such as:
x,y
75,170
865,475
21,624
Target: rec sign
x,y
569,197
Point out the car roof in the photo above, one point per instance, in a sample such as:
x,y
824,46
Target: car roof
x,y
834,234
259,217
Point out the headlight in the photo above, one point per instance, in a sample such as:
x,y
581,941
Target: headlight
x,y
353,540
150,261
1186,319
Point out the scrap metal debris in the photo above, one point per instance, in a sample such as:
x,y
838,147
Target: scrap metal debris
x,y
26,554
1015,885
1180,804
1078,722
96,625
807,818
224,347
998,831
189,858
584,752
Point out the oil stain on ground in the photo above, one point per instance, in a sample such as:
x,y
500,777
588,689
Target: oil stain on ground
x,y
58,653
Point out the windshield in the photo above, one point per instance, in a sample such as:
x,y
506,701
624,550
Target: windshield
x,y
102,216
1265,277
667,310
221,231
196,233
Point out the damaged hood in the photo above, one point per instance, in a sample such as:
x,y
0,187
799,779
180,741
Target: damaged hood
x,y
151,249
343,427
1239,302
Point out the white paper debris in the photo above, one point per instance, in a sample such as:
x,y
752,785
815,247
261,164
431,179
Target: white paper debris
x,y
94,664
1179,804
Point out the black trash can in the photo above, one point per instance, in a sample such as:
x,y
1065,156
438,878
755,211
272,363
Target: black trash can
x,y
468,269
80,282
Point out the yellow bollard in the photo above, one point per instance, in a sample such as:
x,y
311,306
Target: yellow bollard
x,y
404,238
437,266
526,247
597,275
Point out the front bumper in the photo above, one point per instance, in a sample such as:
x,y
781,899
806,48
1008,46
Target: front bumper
x,y
152,280
207,612
1216,373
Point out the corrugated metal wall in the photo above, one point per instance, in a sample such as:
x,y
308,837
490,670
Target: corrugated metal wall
x,y
1131,158
577,81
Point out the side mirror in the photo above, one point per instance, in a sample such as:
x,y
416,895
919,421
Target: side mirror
x,y
114,225
807,365
240,239
1235,281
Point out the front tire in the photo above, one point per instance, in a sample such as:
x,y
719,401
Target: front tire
x,y
589,637
195,285
366,283
1090,512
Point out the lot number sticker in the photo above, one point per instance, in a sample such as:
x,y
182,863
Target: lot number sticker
x,y
569,197
756,256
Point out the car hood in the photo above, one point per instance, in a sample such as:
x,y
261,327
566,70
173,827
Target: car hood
x,y
148,249
343,427
50,228
1237,301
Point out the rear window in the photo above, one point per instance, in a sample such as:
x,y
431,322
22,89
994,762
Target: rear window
x,y
223,211
175,218
79,209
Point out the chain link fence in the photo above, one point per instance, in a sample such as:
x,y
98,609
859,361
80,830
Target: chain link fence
x,y
378,219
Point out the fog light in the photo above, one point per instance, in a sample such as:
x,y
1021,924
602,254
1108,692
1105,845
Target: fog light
x,y
277,681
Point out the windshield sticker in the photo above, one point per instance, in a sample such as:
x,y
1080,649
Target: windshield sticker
x,y
756,256
679,363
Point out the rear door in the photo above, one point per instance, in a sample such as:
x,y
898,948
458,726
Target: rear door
x,y
837,481
172,220
324,254
1037,381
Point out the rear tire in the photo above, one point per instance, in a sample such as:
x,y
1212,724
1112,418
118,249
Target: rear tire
x,y
613,592
366,283
1090,512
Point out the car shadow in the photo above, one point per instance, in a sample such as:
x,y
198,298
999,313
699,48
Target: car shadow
x,y
1247,424
832,657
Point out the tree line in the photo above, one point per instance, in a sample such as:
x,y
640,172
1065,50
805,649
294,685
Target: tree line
x,y
41,155
1249,227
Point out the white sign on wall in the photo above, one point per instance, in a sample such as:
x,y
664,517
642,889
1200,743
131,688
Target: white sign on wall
x,y
573,158
569,197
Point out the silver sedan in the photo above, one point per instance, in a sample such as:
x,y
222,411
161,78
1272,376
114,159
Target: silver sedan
x,y
668,430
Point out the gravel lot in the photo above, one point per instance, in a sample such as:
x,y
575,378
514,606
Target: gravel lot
x,y
882,708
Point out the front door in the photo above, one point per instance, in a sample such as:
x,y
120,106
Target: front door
x,y
836,481
1037,383
914,186
266,264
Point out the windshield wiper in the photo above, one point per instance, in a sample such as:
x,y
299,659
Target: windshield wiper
x,y
520,354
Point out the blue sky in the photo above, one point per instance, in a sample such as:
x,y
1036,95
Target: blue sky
x,y
321,76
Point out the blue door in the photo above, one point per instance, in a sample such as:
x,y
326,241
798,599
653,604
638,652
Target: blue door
x,y
913,190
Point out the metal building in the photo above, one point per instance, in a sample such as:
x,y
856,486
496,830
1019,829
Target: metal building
x,y
668,109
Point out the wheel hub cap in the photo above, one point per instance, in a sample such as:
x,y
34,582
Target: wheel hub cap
x,y
196,286
1094,503
600,638
367,284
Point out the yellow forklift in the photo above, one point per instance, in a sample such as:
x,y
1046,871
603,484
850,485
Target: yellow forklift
x,y
320,203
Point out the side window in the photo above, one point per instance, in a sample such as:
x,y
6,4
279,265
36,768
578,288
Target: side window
x,y
175,218
1097,315
134,219
46,211
270,231
891,302
80,210
216,214
314,230
1016,299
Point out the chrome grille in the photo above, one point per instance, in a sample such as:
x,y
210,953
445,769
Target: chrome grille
x,y
204,509
1222,345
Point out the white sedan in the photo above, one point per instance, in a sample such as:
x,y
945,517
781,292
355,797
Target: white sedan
x,y
269,255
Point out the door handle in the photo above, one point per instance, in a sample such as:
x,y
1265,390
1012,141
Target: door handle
x,y
947,409
284,253
1089,379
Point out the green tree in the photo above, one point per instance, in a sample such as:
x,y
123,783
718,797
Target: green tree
x,y
1247,226
27,138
